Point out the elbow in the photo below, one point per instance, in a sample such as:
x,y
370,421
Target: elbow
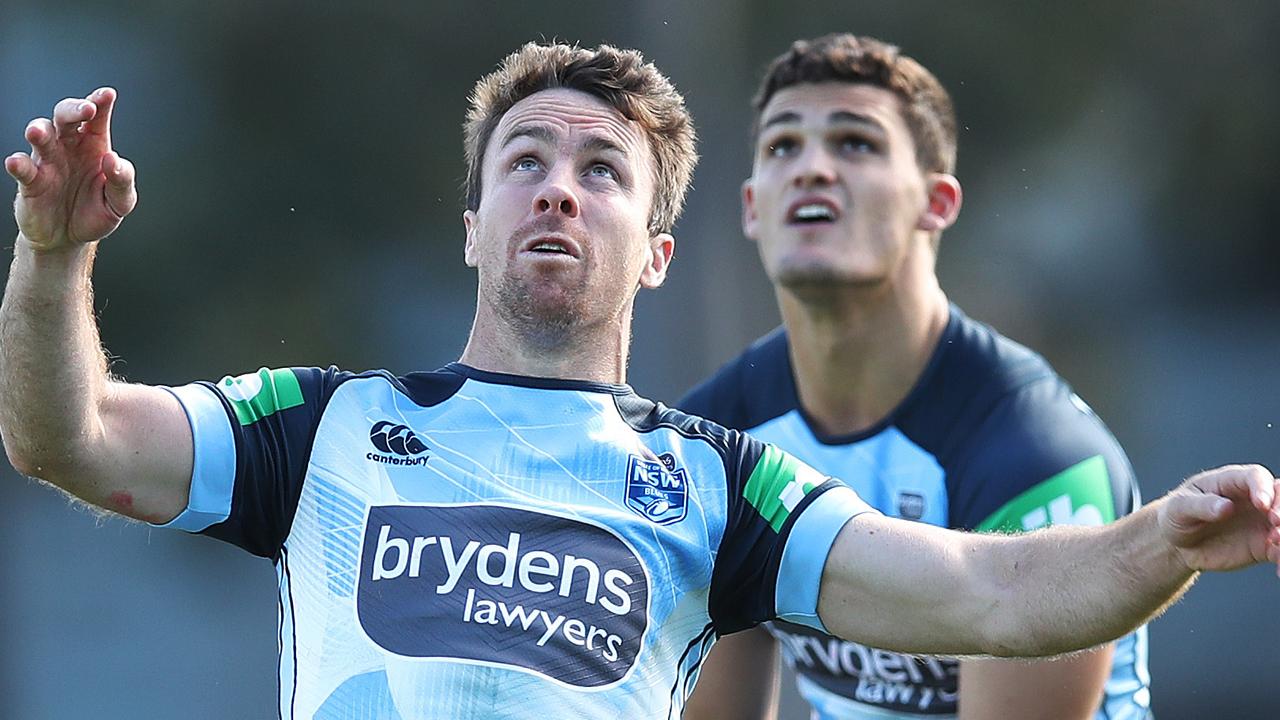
x,y
53,465
22,459
33,465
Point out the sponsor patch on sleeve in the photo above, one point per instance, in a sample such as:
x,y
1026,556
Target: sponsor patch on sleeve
x,y
778,484
257,395
1079,495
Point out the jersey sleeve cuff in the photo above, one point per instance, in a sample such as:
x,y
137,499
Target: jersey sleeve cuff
x,y
213,470
805,555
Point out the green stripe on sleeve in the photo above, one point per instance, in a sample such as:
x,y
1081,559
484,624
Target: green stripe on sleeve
x,y
777,485
1079,495
257,395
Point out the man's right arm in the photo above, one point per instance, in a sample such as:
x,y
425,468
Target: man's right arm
x,y
126,448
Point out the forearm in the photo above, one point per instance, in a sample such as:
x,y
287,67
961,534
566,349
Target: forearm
x,y
53,373
915,588
1068,588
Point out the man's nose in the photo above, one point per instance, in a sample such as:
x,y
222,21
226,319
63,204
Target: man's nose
x,y
814,167
556,196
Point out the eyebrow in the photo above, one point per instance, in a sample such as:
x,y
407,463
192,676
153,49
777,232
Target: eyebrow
x,y
852,117
541,133
839,116
596,143
544,134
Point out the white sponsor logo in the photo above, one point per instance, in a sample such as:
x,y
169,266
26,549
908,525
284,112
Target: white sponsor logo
x,y
244,387
1059,512
537,571
805,480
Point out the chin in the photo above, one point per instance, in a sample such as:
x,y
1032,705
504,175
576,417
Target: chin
x,y
813,276
546,313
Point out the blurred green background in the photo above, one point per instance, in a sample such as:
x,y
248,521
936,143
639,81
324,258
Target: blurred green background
x,y
299,168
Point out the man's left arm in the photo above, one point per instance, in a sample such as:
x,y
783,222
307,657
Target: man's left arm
x,y
914,588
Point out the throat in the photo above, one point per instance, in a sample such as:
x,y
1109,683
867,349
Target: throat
x,y
854,368
535,345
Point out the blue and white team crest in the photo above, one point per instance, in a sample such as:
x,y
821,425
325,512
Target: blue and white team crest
x,y
656,489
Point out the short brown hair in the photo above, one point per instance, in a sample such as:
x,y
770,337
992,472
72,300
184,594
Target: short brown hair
x,y
622,79
842,57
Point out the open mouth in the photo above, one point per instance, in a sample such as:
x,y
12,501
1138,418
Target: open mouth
x,y
549,247
812,213
552,246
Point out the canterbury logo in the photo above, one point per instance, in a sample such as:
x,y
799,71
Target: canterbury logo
x,y
397,439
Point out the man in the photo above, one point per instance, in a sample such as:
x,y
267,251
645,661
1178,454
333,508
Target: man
x,y
518,535
876,379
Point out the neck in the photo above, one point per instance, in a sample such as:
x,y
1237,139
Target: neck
x,y
596,352
857,351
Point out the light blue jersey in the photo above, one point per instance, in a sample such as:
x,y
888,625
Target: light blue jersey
x,y
989,439
462,544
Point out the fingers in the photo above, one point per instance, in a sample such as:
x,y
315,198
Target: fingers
x,y
1273,546
1238,482
1192,510
21,167
68,115
1262,487
105,100
40,133
119,193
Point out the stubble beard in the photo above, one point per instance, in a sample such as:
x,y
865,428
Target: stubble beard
x,y
547,322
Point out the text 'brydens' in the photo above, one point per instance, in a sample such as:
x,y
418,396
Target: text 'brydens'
x,y
501,585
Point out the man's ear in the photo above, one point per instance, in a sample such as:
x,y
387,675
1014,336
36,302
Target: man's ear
x,y
750,221
469,247
662,247
945,198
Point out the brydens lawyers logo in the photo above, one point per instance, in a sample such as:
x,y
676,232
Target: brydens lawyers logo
x,y
503,586
400,445
656,489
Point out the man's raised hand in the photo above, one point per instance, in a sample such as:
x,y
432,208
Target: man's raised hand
x,y
72,188
1225,518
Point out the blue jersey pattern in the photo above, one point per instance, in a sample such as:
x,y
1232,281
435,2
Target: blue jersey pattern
x,y
987,421
462,544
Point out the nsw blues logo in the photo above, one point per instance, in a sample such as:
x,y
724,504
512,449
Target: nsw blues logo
x,y
656,489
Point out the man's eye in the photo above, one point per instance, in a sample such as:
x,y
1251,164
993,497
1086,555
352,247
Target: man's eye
x,y
604,171
781,147
525,163
855,144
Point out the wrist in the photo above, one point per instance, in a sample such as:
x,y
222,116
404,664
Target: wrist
x,y
54,255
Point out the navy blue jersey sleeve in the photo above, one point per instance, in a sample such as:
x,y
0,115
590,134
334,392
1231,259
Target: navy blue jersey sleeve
x,y
783,518
1041,457
253,437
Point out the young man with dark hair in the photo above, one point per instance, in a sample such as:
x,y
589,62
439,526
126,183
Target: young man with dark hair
x,y
875,378
519,535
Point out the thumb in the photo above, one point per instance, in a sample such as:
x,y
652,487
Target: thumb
x,y
120,192
1188,512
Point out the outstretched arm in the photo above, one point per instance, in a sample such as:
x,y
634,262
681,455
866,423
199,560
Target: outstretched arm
x,y
126,448
916,588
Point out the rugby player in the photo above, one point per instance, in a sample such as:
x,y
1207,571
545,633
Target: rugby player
x,y
875,378
519,535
